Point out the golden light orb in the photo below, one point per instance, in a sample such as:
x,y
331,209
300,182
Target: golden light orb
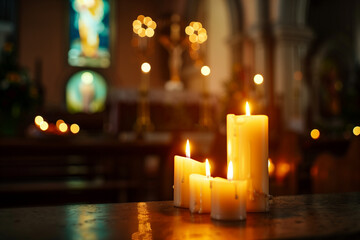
x,y
147,20
202,38
145,67
196,26
144,26
196,33
189,30
58,122
193,38
141,18
63,127
44,126
136,24
205,70
149,32
152,25
74,128
38,120
356,130
315,133
258,79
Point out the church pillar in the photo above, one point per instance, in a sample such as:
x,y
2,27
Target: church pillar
x,y
291,43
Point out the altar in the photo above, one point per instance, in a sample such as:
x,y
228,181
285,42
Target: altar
x,y
331,216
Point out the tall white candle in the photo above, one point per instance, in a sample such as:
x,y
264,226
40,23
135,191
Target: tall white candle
x,y
183,167
247,139
228,197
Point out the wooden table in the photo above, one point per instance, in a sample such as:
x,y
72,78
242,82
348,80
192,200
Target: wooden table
x,y
335,216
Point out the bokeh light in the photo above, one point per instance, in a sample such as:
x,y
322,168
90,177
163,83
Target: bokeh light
x,y
282,170
258,79
63,127
145,67
196,32
58,122
38,120
205,70
315,133
144,26
356,130
74,128
44,126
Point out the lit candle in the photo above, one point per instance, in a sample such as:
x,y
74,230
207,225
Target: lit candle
x,y
200,192
183,167
247,139
228,197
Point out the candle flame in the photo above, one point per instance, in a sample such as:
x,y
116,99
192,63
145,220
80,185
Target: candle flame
x,y
207,167
247,109
187,150
230,171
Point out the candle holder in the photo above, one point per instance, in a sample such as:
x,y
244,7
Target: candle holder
x,y
143,123
205,115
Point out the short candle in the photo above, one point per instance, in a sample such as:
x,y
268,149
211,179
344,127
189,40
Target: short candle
x,y
200,192
228,197
183,167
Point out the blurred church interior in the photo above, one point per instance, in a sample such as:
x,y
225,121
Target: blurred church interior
x,y
97,96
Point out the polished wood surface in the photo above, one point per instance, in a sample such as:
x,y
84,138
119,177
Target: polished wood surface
x,y
335,216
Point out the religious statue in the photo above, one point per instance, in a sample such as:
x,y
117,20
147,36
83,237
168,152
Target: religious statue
x,y
91,13
175,46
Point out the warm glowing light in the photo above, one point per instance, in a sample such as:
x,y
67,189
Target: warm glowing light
x,y
145,67
149,32
63,127
207,168
144,26
258,79
152,24
136,24
230,173
38,120
147,20
196,32
282,169
196,26
44,126
187,149
189,30
87,78
271,167
356,130
315,134
58,122
193,38
247,108
205,70
74,128
141,18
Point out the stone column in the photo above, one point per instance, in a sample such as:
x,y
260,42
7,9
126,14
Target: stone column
x,y
290,89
